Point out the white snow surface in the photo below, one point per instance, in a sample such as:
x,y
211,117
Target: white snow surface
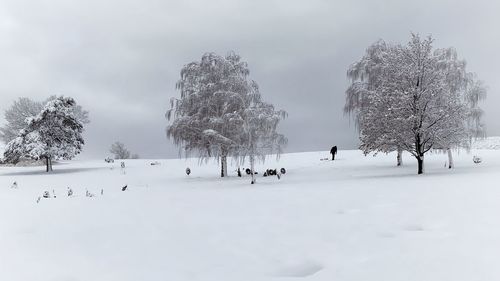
x,y
355,218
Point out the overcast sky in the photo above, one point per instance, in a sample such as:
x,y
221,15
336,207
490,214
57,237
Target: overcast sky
x,y
120,59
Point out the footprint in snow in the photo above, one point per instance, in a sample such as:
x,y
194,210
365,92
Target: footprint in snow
x,y
414,227
348,211
303,269
386,235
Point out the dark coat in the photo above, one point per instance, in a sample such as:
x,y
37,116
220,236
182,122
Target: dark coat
x,y
333,150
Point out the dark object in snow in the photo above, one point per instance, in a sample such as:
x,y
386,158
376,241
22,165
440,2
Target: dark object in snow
x,y
38,200
88,194
70,192
333,152
102,191
14,185
274,172
270,172
249,172
54,193
477,159
155,163
324,159
188,171
109,160
124,188
123,165
46,194
239,172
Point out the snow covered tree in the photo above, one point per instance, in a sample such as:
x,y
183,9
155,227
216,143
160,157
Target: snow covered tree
x,y
206,118
414,98
24,108
119,151
54,133
260,138
469,91
367,75
220,113
16,116
80,114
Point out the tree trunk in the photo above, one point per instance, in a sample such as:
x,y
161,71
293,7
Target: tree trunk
x,y
419,149
400,157
420,161
450,159
223,162
48,163
252,167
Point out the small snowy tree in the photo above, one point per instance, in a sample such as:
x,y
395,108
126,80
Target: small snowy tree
x,y
260,138
413,98
207,117
24,108
54,133
119,151
466,89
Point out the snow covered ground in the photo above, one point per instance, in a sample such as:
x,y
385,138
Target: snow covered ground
x,y
356,218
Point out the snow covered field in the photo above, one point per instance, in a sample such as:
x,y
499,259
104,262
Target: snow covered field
x,y
358,218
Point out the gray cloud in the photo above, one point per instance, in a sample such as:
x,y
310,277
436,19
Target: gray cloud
x,y
121,59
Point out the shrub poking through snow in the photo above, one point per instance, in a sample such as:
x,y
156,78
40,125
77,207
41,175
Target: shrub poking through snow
x,y
477,159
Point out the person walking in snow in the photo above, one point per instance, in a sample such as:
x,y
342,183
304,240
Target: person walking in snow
x,y
333,151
